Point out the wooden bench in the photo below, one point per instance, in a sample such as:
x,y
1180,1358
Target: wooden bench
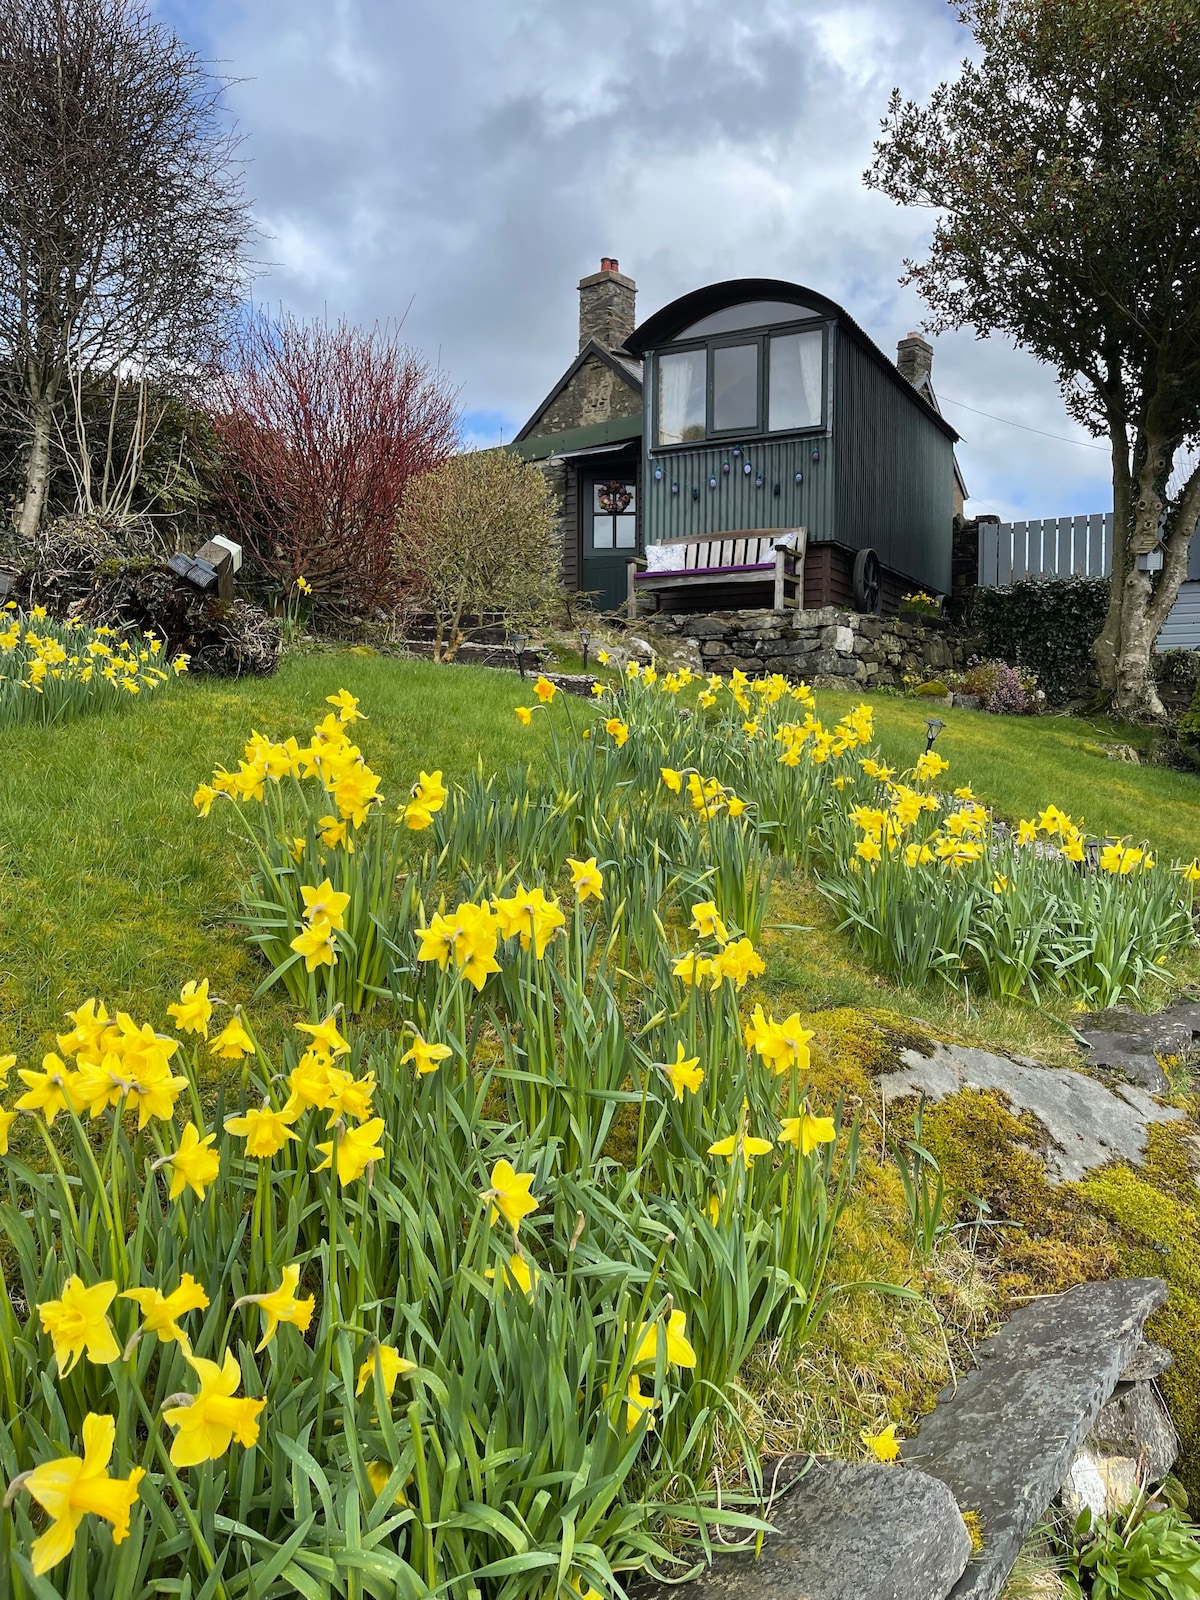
x,y
773,556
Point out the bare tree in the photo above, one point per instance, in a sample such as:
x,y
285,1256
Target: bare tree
x,y
122,216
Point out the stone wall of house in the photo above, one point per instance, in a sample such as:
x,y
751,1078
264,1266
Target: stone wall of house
x,y
595,394
828,648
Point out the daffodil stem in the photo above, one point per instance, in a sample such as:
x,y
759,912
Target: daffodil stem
x,y
177,1489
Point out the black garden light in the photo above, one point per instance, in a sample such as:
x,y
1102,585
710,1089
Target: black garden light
x,y
519,641
933,726
585,638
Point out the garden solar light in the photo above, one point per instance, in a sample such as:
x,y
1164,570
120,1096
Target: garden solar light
x,y
934,726
586,639
519,641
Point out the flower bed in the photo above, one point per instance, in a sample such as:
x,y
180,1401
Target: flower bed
x,y
50,671
457,1288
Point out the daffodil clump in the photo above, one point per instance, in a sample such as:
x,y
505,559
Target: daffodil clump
x,y
392,1287
929,886
50,671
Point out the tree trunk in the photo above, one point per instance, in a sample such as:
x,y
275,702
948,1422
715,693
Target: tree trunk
x,y
1134,693
37,469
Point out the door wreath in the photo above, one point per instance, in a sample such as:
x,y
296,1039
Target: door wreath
x,y
614,497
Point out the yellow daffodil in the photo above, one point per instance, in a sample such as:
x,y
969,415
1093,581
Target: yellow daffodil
x,y
265,1131
1026,832
1191,873
780,1044
70,1488
7,1118
315,944
999,883
684,1074
195,1164
884,1445
78,1324
602,657
509,1194
751,1148
206,1426
524,715
928,766
426,1057
531,915
335,835
734,806
1072,845
344,703
707,922
694,969
161,1312
679,1352
599,690
325,1036
617,730
672,779
281,1305
390,1365
324,904
49,1091
233,1042
194,1011
638,1405
355,1149
586,879
379,1475
738,962
545,690
203,798
518,1274
807,1132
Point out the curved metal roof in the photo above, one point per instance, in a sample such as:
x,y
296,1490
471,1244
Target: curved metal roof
x,y
663,325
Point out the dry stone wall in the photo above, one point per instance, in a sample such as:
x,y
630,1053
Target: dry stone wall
x,y
830,648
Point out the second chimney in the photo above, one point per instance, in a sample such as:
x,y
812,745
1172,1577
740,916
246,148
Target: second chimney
x,y
606,306
914,359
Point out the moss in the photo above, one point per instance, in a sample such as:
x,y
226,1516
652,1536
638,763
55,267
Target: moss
x,y
1156,1213
974,1526
935,689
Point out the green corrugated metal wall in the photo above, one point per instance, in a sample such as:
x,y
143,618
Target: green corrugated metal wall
x,y
895,472
736,502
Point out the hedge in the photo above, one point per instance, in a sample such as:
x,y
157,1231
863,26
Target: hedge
x,y
1046,625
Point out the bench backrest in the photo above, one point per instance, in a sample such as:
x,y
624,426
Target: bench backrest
x,y
752,548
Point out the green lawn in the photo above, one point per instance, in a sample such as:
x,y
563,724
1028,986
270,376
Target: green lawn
x,y
110,884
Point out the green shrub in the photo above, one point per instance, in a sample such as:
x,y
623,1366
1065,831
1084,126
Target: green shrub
x,y
935,689
1047,625
1189,729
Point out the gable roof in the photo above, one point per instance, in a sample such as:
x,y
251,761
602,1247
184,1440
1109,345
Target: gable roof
x,y
626,368
663,325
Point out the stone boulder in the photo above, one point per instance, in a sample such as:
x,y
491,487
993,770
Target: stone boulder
x,y
844,1531
1086,1123
1129,1044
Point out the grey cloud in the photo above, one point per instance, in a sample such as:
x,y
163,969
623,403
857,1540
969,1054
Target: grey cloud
x,y
477,157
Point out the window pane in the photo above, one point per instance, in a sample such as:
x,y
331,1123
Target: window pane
x,y
735,386
626,532
749,314
681,405
602,533
795,380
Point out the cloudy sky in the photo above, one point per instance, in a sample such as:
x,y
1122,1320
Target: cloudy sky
x,y
462,163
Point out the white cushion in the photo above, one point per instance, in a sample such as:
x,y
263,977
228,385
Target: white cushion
x,y
662,558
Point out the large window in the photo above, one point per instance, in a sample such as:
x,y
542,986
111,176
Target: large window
x,y
765,382
794,393
681,396
735,387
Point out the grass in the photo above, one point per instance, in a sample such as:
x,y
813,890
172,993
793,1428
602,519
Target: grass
x,y
110,886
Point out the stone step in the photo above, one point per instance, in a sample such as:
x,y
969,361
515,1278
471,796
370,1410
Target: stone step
x,y
1004,1440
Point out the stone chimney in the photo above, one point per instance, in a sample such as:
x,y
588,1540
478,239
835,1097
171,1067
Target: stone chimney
x,y
914,359
606,302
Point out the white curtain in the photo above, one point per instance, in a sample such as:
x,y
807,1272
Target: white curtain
x,y
680,387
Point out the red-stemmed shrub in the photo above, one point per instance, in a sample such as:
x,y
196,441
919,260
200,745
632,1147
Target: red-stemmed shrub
x,y
322,427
